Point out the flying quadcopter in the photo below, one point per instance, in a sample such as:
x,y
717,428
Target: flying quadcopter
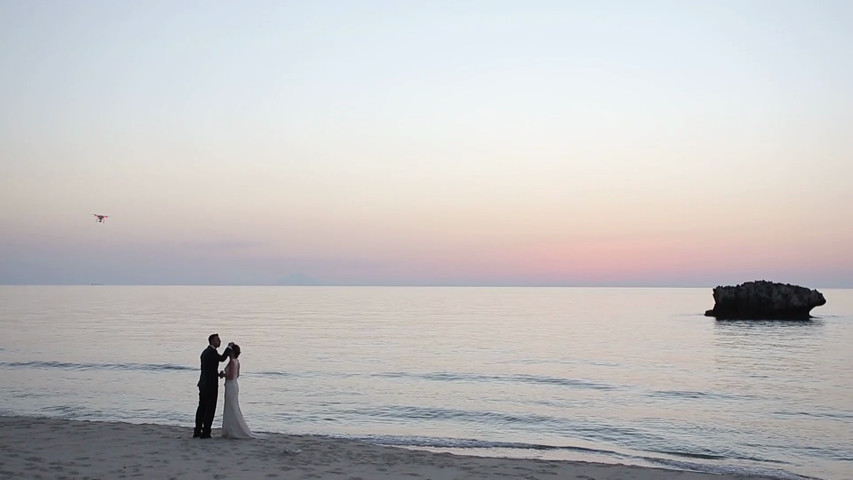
x,y
100,218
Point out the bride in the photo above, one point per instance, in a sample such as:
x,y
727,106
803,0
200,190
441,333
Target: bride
x,y
233,425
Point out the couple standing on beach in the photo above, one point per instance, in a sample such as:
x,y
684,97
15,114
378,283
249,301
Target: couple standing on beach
x,y
233,424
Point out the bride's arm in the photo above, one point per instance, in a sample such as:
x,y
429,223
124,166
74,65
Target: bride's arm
x,y
230,371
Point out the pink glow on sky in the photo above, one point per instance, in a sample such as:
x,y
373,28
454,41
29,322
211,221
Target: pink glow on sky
x,y
488,143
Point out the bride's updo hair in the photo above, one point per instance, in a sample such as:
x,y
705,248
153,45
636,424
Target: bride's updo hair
x,y
236,349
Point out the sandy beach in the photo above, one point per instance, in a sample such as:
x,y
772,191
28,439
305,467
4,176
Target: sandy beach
x,y
42,448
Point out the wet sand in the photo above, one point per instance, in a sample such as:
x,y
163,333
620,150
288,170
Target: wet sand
x,y
42,448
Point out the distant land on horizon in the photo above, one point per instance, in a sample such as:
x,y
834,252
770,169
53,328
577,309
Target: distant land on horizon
x,y
428,284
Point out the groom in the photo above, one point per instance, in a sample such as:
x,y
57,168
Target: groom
x,y
208,386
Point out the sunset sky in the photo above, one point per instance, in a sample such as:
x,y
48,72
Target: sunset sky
x,y
636,143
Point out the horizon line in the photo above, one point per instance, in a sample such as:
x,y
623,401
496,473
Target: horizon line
x,y
386,285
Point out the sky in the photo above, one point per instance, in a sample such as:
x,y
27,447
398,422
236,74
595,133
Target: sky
x,y
638,143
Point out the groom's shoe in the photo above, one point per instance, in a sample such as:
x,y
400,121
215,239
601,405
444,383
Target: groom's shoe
x,y
196,433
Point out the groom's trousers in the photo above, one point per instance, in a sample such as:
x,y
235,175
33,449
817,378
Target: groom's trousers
x,y
206,411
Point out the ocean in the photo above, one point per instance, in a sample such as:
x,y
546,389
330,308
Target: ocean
x,y
618,375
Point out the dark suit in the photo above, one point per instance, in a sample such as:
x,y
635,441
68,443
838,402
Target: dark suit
x,y
208,390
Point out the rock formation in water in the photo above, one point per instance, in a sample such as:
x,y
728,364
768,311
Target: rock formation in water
x,y
764,300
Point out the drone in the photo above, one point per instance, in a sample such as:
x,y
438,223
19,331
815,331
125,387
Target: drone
x,y
100,218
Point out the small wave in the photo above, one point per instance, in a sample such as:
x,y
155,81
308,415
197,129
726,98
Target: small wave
x,y
456,377
95,366
773,473
274,374
467,443
68,411
713,456
703,456
526,379
830,415
688,394
444,414
463,444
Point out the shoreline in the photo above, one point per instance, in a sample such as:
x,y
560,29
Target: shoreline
x,y
41,447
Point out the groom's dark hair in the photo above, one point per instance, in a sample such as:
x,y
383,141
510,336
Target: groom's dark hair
x,y
210,337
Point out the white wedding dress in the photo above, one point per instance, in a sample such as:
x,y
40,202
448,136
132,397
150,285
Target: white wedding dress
x,y
233,425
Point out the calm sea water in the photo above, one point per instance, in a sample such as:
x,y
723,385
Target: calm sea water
x,y
634,376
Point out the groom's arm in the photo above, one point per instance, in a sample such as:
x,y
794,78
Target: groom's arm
x,y
224,356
